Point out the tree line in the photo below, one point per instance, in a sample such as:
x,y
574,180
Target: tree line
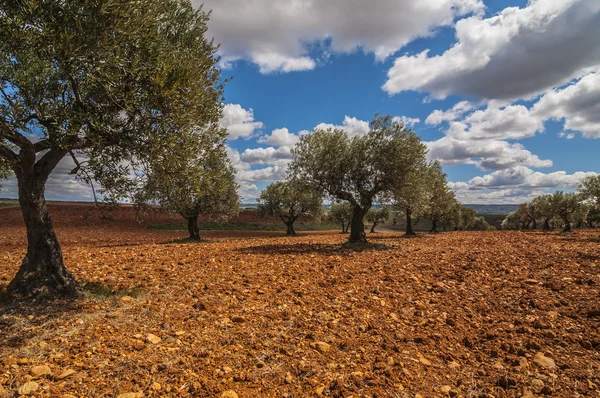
x,y
560,210
414,190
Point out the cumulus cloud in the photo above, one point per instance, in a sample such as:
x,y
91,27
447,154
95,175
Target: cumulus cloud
x,y
516,185
577,104
281,137
513,122
518,53
438,117
268,155
486,154
352,126
276,35
239,122
524,177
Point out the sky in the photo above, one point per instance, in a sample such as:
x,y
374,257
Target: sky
x,y
506,94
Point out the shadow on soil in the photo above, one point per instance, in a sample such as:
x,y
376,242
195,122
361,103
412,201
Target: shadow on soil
x,y
323,249
14,311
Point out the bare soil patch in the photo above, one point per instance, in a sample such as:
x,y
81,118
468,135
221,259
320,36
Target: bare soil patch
x,y
471,314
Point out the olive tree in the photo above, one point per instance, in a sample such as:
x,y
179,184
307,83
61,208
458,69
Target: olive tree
x,y
566,205
193,178
590,188
410,194
528,215
467,218
100,79
288,200
341,212
545,210
440,198
357,169
511,221
378,216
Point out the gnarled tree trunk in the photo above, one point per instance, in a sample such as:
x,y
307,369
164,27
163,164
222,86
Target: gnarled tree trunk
x,y
290,228
193,227
546,224
373,227
433,226
568,227
357,228
409,228
42,271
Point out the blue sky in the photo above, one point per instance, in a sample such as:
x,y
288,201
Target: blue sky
x,y
506,94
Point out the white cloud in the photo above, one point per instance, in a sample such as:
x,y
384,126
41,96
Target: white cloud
x,y
512,122
281,137
276,34
271,173
486,154
438,117
351,125
518,53
239,122
568,136
578,104
524,177
516,185
407,121
268,155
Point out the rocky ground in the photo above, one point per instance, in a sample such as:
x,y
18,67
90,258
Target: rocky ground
x,y
466,314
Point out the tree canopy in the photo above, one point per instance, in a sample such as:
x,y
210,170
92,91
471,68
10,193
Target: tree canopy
x,y
590,188
194,177
357,169
441,198
410,195
103,80
378,216
288,200
341,213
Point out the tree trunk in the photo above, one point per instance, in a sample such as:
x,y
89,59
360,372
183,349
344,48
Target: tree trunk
x,y
409,228
373,228
193,228
567,227
433,226
546,224
42,271
357,229
290,228
534,224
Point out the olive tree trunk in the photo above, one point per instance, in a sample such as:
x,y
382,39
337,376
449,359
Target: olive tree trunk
x,y
193,227
373,227
568,227
290,228
409,228
357,228
546,224
433,226
42,271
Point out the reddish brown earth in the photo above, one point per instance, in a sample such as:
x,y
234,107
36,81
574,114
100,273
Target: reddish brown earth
x,y
469,314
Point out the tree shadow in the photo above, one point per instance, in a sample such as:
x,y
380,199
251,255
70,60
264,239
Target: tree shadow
x,y
590,257
15,310
22,318
314,248
184,241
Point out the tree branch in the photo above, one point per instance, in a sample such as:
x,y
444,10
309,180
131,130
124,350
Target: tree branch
x,y
48,162
8,154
